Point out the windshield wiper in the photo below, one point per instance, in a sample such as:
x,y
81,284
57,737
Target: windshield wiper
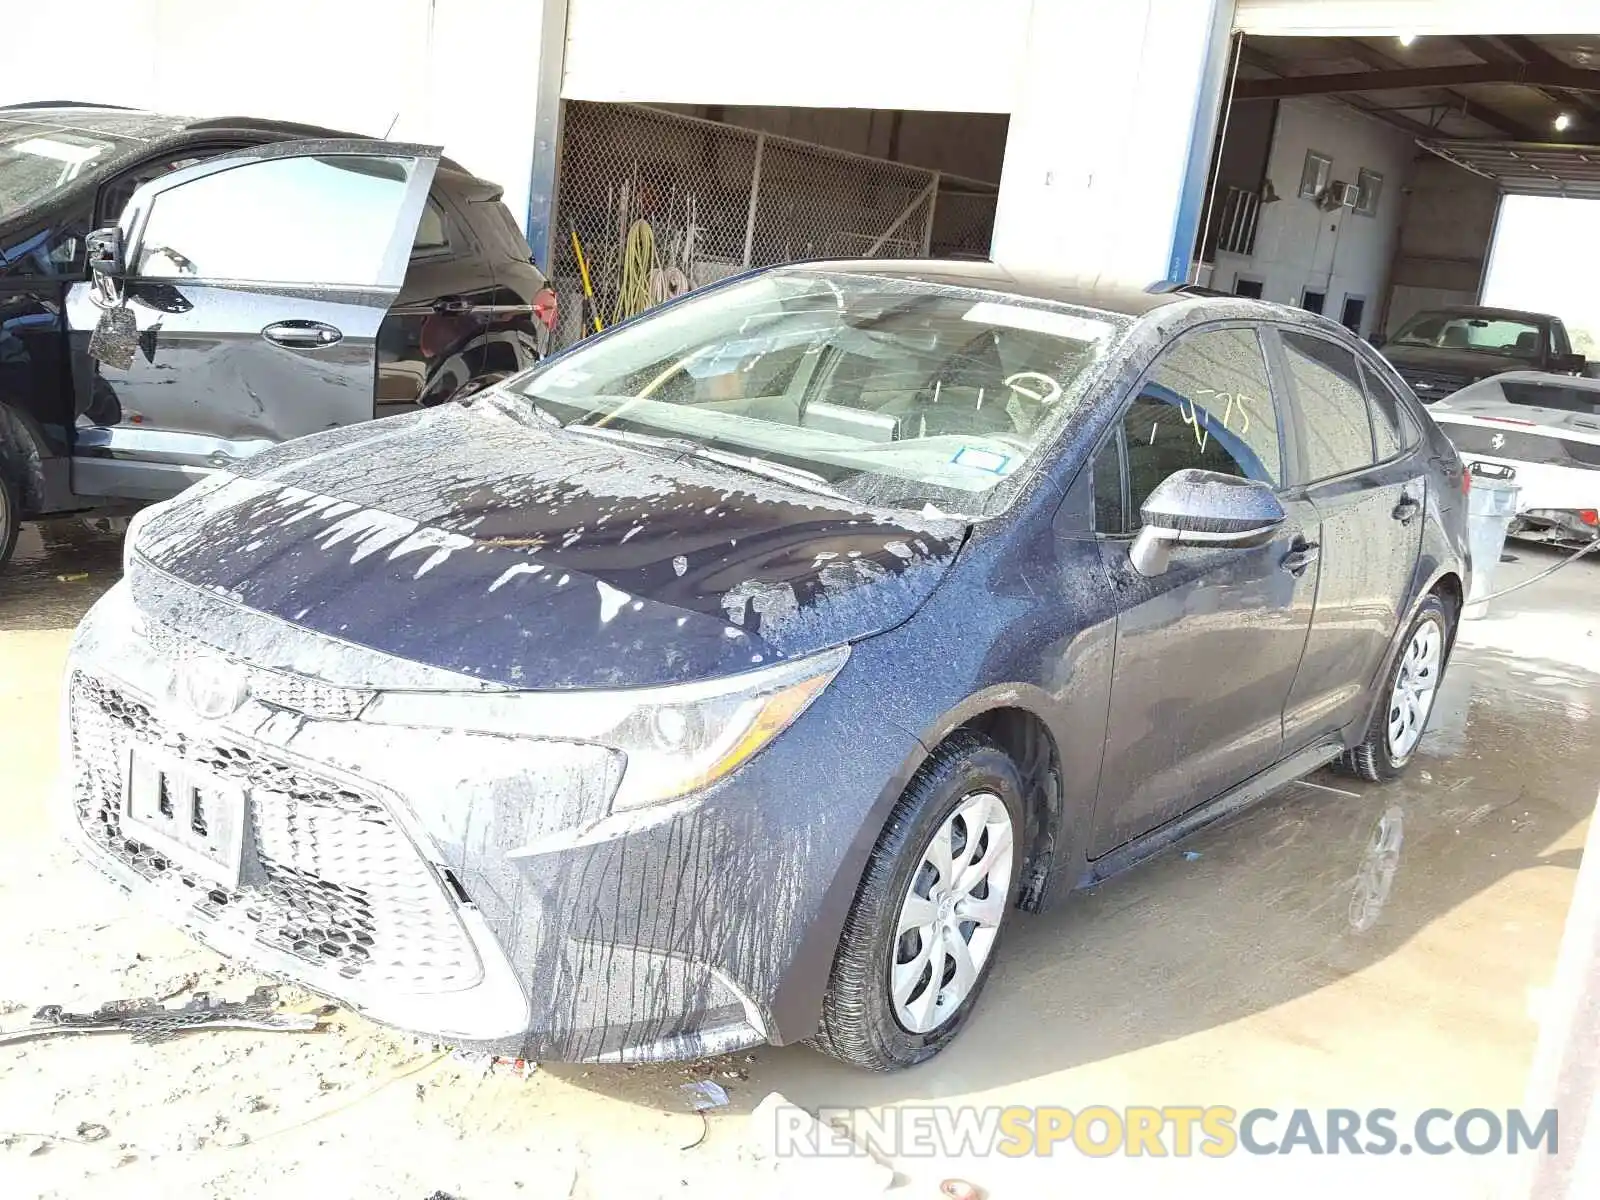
x,y
778,472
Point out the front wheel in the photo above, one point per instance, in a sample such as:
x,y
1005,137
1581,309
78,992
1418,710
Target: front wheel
x,y
1409,690
920,938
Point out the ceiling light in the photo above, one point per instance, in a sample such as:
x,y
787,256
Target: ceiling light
x,y
1563,122
1405,39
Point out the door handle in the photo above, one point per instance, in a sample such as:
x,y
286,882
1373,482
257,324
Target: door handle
x,y
302,335
447,305
1406,511
1301,555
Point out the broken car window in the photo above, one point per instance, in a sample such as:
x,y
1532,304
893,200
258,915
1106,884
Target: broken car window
x,y
324,220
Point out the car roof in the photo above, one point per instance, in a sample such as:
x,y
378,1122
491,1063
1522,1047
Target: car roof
x,y
989,276
140,125
1486,313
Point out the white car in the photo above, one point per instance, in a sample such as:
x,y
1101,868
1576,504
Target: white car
x,y
1542,432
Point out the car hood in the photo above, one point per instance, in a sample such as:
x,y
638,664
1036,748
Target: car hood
x,y
1468,365
479,540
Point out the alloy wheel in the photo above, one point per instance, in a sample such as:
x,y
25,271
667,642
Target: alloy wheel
x,y
1414,686
951,913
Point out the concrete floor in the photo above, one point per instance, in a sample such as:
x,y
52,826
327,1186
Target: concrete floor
x,y
1275,961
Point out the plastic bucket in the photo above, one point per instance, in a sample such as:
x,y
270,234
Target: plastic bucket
x,y
1491,506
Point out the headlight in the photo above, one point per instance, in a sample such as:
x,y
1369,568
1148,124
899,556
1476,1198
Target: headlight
x,y
136,523
676,739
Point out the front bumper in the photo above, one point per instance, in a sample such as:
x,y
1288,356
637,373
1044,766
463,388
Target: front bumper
x,y
378,868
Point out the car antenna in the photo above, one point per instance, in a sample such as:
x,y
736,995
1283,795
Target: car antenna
x,y
392,121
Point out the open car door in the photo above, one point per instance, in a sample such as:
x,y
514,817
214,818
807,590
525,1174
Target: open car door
x,y
256,282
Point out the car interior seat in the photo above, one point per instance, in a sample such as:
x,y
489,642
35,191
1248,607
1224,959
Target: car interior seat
x,y
966,395
1455,338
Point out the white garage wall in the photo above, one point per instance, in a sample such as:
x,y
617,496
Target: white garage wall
x,y
1297,244
1105,155
1350,17
409,68
949,55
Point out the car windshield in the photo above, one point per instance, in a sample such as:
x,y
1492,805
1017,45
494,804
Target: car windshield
x,y
38,159
887,391
1461,331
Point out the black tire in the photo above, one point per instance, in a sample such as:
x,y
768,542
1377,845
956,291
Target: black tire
x,y
1373,759
10,519
858,1022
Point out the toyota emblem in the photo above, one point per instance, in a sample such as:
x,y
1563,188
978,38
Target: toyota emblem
x,y
212,687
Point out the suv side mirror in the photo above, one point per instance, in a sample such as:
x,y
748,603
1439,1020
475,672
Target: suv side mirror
x,y
1193,508
106,264
1569,364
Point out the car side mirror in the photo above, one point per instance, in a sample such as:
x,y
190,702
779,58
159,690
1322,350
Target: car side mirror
x,y
106,265
1203,508
1570,364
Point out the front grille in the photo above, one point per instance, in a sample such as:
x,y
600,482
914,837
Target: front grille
x,y
329,877
325,701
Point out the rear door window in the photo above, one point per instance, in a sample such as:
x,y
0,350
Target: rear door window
x,y
1331,403
1392,431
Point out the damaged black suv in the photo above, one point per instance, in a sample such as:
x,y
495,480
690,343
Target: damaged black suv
x,y
177,295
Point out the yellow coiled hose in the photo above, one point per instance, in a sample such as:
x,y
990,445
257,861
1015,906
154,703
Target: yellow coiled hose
x,y
638,259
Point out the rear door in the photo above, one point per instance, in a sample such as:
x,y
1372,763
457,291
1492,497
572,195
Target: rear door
x,y
1365,475
257,281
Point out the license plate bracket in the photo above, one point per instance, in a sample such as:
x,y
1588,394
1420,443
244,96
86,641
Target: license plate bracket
x,y
186,813
1488,470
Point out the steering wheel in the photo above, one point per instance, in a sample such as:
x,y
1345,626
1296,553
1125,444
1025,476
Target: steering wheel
x,y
1045,390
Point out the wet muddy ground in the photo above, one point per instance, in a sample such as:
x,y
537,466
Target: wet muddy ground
x,y
1340,945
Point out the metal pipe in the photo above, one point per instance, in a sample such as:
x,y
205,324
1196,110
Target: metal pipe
x,y
905,214
755,195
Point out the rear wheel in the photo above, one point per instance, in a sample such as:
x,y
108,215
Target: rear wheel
x,y
921,936
10,519
1409,690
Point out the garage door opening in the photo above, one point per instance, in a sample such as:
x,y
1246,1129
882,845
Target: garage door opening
x,y
1546,257
1362,176
662,199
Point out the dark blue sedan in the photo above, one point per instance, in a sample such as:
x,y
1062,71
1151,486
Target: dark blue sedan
x,y
731,677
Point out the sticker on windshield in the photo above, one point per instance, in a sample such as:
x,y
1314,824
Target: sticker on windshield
x,y
65,152
1038,320
981,460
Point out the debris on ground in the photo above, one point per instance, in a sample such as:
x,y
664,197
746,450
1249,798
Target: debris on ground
x,y
150,1021
1191,856
704,1094
73,577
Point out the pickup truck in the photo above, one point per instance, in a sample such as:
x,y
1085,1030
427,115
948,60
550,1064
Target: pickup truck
x,y
1442,350
176,295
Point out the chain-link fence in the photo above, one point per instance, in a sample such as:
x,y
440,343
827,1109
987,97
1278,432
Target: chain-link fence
x,y
657,203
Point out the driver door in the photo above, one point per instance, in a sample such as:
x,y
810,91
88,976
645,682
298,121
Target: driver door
x,y
257,282
1206,653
